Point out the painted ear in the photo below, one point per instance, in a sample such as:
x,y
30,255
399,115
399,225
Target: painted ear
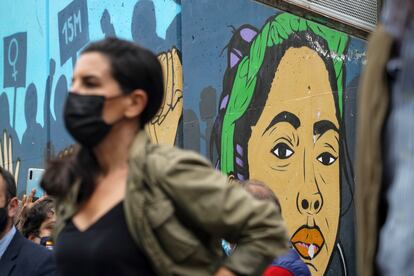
x,y
239,45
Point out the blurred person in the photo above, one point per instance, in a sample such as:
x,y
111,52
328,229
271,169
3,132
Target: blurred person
x,y
289,264
40,222
18,256
385,147
125,206
27,202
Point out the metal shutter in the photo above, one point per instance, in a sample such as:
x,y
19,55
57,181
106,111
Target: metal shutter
x,y
358,13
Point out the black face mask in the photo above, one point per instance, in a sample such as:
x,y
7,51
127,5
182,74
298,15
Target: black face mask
x,y
83,118
3,219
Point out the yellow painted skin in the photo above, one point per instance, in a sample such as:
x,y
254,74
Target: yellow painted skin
x,y
301,167
163,127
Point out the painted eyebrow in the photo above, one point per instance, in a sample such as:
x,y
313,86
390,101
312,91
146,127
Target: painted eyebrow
x,y
284,116
319,128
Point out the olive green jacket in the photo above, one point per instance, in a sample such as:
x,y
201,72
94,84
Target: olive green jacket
x,y
373,104
178,208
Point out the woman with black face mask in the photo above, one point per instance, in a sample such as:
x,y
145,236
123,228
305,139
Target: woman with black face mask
x,y
127,207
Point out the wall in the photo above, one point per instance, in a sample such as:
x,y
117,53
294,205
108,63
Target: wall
x,y
262,93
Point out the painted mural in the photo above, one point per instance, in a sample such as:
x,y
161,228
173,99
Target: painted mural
x,y
163,127
280,121
262,93
285,103
39,54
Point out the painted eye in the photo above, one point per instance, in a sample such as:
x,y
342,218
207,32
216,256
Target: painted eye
x,y
282,151
326,158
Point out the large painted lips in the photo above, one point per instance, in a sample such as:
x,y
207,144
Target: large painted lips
x,y
308,241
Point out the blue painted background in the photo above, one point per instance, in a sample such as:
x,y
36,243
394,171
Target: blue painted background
x,y
153,24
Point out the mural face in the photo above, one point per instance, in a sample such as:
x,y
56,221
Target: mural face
x,y
294,148
281,121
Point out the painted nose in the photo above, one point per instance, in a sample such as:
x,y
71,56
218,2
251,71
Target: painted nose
x,y
311,203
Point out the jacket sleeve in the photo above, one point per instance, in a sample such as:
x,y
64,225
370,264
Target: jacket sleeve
x,y
224,211
47,267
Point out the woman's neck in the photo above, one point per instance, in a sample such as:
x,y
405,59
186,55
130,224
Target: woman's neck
x,y
112,153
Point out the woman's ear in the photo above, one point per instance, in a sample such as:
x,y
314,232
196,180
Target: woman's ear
x,y
139,100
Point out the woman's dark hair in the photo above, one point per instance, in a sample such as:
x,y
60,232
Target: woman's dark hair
x,y
133,67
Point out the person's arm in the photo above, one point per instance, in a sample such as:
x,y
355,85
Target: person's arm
x,y
26,204
224,211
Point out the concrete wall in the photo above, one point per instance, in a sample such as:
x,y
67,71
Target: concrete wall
x,y
262,93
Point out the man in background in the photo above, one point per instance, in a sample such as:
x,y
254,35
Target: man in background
x,y
40,222
18,256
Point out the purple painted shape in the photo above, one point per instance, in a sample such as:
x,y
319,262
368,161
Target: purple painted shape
x,y
239,162
223,104
239,149
240,177
234,60
235,56
248,34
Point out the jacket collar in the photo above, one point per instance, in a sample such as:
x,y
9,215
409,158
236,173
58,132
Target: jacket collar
x,y
6,240
8,260
138,147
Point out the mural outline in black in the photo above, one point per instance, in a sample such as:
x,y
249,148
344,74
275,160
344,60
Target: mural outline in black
x,y
15,63
15,60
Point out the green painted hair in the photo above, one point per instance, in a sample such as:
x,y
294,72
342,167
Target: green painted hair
x,y
273,33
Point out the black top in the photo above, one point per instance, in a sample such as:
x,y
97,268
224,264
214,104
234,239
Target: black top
x,y
104,248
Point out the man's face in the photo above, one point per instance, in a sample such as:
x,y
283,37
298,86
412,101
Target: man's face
x,y
3,193
8,209
294,148
3,208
